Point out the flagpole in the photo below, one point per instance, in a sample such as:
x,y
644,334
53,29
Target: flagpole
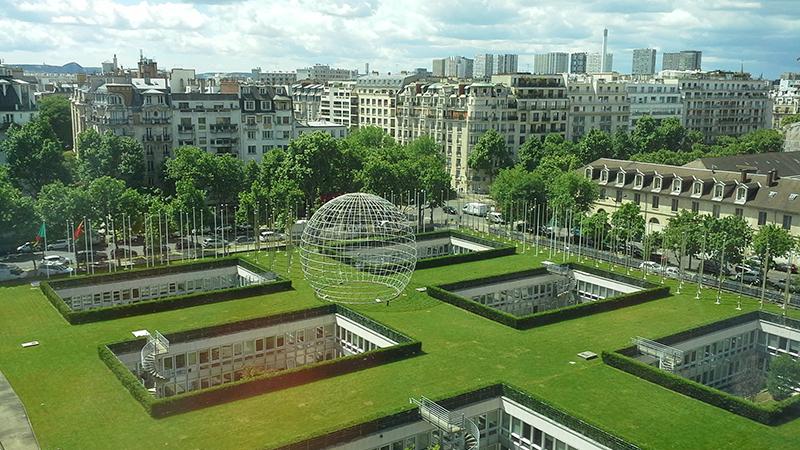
x,y
44,249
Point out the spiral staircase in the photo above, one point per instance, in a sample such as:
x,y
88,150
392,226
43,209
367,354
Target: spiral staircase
x,y
458,432
156,345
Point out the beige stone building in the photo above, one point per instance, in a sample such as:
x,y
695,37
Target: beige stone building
x,y
596,103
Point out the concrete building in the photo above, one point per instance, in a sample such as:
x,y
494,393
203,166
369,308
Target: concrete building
x,y
211,122
659,98
307,100
17,100
267,119
786,98
458,67
683,60
181,80
339,103
596,103
274,78
506,63
336,130
644,61
483,67
662,191
323,73
577,62
724,103
551,63
377,100
596,64
438,67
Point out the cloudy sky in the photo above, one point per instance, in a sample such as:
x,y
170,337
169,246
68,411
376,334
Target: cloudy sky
x,y
392,35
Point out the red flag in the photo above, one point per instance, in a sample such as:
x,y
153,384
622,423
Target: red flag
x,y
78,231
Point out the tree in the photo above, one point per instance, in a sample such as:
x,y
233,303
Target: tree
x,y
783,377
731,233
58,204
595,226
571,192
17,219
761,141
220,177
621,144
669,157
490,153
645,134
531,153
319,165
685,227
672,135
788,120
552,166
368,138
594,145
627,222
517,185
776,239
110,155
55,110
111,197
34,156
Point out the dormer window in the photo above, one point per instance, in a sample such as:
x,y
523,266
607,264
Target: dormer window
x,y
741,194
638,181
588,173
604,176
719,189
697,189
676,186
657,182
621,178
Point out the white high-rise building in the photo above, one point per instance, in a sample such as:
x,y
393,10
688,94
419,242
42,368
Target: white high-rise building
x,y
506,63
594,63
644,61
483,66
551,63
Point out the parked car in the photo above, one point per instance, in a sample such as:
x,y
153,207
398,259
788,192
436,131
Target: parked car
x,y
447,209
243,240
794,287
672,272
59,245
750,278
712,267
123,252
83,255
476,209
27,247
495,217
183,244
53,269
271,236
213,243
650,266
56,259
786,267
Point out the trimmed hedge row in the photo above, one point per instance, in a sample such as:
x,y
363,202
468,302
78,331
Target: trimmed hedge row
x,y
168,303
162,407
769,414
455,402
525,322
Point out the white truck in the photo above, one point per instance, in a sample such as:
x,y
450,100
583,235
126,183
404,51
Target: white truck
x,y
476,209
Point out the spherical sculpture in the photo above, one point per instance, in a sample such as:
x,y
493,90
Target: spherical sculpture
x,y
358,248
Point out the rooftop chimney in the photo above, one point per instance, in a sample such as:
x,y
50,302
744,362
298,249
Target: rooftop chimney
x,y
772,177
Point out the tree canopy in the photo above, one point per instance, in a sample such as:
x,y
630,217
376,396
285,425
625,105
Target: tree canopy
x,y
107,154
34,156
55,110
490,153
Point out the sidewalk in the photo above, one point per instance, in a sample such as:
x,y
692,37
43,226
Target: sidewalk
x,y
15,429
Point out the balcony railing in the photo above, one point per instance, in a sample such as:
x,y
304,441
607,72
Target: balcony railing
x,y
185,128
223,127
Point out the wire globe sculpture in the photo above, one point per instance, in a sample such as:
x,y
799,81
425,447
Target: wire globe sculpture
x,y
358,248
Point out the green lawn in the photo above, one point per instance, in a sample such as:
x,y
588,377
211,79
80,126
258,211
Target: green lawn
x,y
75,402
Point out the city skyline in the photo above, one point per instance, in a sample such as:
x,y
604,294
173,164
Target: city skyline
x,y
391,37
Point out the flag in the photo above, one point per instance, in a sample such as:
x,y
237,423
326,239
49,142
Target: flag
x,y
78,231
42,234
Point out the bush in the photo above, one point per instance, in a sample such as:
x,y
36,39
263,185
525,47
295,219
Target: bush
x,y
158,305
770,414
498,249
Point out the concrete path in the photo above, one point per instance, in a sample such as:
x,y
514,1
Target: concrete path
x,y
15,429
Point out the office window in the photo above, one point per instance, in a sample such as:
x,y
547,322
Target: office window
x,y
655,202
787,222
715,211
762,217
674,204
718,191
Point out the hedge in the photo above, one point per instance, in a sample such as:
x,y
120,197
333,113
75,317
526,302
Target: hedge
x,y
498,249
165,304
773,413
162,407
445,294
455,402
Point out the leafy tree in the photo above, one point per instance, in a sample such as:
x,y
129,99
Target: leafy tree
x,y
319,165
627,222
571,191
685,225
668,157
776,239
17,219
221,177
34,156
552,166
672,135
517,185
531,153
368,138
645,135
109,196
731,233
788,120
783,377
55,110
57,204
490,153
110,155
595,225
760,141
594,145
621,144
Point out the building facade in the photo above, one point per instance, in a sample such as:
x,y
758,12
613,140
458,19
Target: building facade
x,y
377,100
323,73
483,67
658,98
339,103
439,67
274,78
644,61
506,63
577,62
17,100
596,103
683,60
551,63
595,63
307,100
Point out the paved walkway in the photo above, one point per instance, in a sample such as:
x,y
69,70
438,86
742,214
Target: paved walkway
x,y
15,430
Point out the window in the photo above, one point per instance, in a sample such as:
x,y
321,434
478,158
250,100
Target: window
x,y
715,211
251,135
787,222
638,181
657,183
250,120
674,205
603,194
249,105
619,195
251,149
719,189
697,189
637,198
604,176
621,178
739,212
676,186
741,194
589,173
695,207
762,217
655,202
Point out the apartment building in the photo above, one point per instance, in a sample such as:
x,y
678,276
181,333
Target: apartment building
x,y
335,130
267,119
596,64
273,78
596,103
659,98
307,100
684,60
323,73
662,191
377,100
551,63
506,63
17,100
211,122
577,62
724,103
339,103
786,98
644,61
483,66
